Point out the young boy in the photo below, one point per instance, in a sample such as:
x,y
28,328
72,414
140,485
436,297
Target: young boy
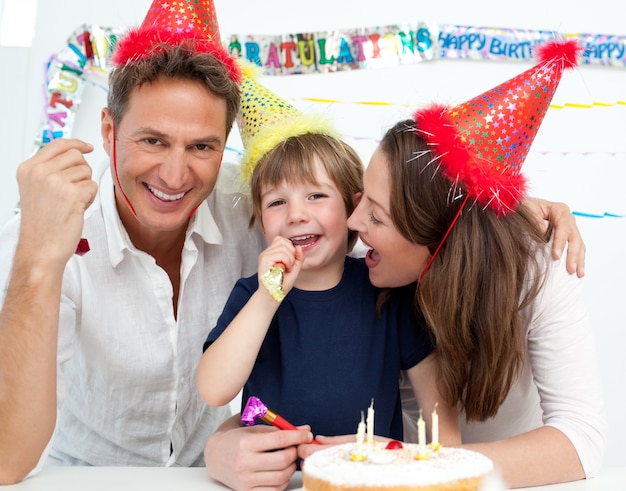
x,y
320,355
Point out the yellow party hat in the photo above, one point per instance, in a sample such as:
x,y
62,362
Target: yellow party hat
x,y
265,120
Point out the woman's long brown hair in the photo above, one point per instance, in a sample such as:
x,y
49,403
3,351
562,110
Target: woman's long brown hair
x,y
480,280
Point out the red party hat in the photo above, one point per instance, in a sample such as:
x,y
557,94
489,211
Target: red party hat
x,y
193,22
196,18
482,143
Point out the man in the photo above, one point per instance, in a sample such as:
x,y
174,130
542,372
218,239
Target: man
x,y
118,356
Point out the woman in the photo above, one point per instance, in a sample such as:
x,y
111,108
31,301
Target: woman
x,y
513,336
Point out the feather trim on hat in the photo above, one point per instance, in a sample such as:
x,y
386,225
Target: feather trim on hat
x,y
269,137
266,120
143,42
489,184
567,52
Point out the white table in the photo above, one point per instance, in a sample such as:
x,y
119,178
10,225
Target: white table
x,y
60,478
192,479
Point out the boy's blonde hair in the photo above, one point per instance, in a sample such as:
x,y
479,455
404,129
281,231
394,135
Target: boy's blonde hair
x,y
293,161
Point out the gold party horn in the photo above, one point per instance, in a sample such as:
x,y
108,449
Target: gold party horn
x,y
272,280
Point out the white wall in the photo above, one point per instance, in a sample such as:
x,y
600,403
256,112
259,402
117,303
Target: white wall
x,y
578,156
15,68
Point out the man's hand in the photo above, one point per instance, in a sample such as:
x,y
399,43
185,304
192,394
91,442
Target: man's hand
x,y
257,456
566,232
307,449
55,190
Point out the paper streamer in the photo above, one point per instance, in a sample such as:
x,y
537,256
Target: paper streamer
x,y
85,58
594,215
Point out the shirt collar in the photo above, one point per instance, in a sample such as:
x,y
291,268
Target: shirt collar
x,y
202,223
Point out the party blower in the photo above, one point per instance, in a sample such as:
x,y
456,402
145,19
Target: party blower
x,y
256,409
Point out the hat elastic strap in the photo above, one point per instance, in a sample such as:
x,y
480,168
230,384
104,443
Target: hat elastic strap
x,y
432,258
117,177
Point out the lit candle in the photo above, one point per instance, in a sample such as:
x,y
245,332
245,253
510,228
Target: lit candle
x,y
370,423
358,455
435,416
360,431
421,434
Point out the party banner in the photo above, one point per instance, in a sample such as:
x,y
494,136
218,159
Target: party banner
x,y
517,44
338,50
403,44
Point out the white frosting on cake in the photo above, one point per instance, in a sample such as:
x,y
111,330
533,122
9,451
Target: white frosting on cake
x,y
382,467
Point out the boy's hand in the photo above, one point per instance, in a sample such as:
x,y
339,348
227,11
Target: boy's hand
x,y
281,250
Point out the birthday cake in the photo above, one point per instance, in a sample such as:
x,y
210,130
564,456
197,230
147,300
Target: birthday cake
x,y
375,466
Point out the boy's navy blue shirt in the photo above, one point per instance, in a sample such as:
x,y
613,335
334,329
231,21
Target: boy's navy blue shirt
x,y
328,353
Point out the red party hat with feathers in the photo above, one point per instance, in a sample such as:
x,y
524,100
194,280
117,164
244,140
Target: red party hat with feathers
x,y
192,23
482,143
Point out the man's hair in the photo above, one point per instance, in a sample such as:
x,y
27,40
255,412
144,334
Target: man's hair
x,y
294,161
173,62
